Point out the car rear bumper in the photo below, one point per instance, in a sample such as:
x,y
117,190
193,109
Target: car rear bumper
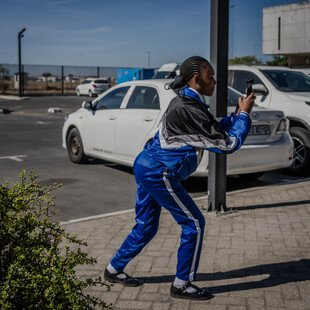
x,y
255,158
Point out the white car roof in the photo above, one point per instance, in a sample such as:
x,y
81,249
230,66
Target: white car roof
x,y
258,67
151,82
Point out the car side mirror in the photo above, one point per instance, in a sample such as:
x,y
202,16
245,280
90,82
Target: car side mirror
x,y
87,105
260,89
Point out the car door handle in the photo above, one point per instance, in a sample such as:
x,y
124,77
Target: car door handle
x,y
112,117
148,119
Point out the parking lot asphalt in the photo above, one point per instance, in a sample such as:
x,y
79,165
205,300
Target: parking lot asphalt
x,y
30,138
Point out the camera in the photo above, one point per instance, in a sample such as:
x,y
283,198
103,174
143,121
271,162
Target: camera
x,y
249,86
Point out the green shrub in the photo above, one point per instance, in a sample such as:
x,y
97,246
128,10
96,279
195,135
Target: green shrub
x,y
37,264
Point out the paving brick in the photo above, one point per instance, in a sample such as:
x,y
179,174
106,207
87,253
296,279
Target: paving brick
x,y
129,293
130,304
203,305
252,259
256,303
297,304
274,299
290,291
160,306
236,308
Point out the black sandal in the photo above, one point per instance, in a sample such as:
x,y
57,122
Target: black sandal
x,y
128,281
199,294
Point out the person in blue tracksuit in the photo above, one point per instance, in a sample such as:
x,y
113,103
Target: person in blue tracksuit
x,y
187,128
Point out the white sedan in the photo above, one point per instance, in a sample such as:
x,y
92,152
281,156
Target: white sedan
x,y
92,87
117,125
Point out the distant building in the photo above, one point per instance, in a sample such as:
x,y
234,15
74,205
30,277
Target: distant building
x,y
48,78
286,31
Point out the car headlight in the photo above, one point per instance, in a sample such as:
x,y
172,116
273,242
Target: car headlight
x,y
66,117
283,126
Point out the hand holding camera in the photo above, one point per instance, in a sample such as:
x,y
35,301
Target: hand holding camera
x,y
246,104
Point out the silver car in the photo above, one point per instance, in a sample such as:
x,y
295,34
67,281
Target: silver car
x,y
117,125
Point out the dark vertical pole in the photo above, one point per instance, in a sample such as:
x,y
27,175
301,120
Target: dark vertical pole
x,y
97,72
19,67
20,35
23,80
62,80
149,59
218,102
279,33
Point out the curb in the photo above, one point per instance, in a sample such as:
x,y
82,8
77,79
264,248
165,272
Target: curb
x,y
14,98
95,217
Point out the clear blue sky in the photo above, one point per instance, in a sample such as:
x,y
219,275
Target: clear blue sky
x,y
121,32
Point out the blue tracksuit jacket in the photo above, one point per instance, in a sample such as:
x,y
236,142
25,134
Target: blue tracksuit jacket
x,y
186,130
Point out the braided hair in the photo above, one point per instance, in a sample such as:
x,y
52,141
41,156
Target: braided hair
x,y
191,66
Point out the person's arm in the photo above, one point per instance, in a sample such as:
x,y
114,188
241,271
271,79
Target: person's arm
x,y
188,124
228,135
242,107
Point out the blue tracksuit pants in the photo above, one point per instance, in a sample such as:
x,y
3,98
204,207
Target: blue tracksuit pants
x,y
159,188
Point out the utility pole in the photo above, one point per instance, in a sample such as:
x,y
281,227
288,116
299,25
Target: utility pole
x,y
218,102
20,36
148,59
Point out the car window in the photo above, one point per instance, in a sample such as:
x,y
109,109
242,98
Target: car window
x,y
86,82
164,75
112,100
100,81
233,97
240,79
288,81
230,78
144,97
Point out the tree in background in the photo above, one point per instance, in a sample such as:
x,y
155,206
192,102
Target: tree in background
x,y
245,60
278,60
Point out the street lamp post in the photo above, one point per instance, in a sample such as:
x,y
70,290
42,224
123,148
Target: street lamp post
x,y
20,35
218,102
232,31
149,59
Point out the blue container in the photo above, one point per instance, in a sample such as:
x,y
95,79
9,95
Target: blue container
x,y
132,74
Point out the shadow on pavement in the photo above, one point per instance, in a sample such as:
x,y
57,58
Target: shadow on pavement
x,y
274,205
278,273
196,184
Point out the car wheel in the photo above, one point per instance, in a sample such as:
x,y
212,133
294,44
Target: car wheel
x,y
301,154
251,176
90,94
78,93
75,147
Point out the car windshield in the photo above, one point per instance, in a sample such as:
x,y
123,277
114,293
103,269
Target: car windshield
x,y
164,75
288,81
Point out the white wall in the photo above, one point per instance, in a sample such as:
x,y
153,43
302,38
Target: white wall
x,y
295,29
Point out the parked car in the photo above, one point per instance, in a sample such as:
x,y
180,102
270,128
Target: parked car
x,y
92,86
117,125
282,89
167,71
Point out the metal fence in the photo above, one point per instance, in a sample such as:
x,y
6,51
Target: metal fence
x,y
47,79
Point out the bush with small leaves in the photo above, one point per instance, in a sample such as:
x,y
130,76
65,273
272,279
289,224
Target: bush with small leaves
x,y
37,264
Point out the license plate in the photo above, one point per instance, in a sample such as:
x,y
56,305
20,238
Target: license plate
x,y
259,130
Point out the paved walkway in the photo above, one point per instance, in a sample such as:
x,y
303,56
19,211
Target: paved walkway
x,y
256,258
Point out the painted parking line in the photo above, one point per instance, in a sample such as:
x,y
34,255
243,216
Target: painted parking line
x,y
14,157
